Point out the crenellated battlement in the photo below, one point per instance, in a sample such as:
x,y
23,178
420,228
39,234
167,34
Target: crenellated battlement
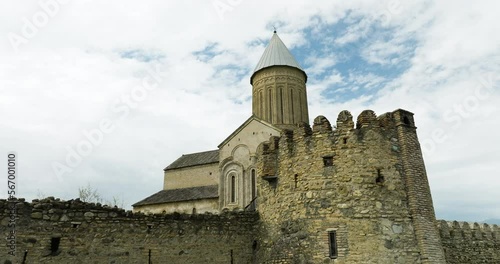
x,y
468,230
326,139
465,242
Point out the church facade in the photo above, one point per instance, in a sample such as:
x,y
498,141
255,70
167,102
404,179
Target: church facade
x,y
194,181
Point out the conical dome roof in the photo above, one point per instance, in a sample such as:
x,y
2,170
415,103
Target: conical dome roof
x,y
276,54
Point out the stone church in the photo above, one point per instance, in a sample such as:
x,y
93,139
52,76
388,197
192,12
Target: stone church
x,y
226,178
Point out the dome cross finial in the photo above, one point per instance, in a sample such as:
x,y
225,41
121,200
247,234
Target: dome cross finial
x,y
274,29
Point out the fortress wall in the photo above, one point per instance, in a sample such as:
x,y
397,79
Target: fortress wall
x,y
361,194
90,233
470,242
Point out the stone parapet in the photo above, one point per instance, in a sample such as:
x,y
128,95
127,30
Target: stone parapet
x,y
55,231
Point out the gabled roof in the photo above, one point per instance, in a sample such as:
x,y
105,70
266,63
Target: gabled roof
x,y
179,195
244,125
276,54
194,159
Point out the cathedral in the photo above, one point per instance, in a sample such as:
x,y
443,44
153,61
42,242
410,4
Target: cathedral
x,y
226,178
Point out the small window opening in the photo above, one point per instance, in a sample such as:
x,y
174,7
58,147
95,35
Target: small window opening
x,y
332,241
75,224
345,140
233,189
380,177
406,120
254,184
328,161
296,180
210,173
194,210
150,226
54,244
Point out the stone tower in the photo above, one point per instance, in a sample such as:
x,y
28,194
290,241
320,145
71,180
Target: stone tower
x,y
279,87
418,191
354,193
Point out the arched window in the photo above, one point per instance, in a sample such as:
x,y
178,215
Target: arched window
x,y
254,184
233,188
291,106
270,109
281,107
261,105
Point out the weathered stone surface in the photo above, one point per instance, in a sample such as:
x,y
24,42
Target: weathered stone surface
x,y
37,215
481,244
88,214
360,193
117,236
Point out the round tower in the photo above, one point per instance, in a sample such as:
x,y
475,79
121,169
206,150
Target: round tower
x,y
279,87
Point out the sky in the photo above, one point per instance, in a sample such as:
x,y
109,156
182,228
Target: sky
x,y
108,93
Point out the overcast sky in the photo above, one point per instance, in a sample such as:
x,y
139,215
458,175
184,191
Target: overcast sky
x,y
108,93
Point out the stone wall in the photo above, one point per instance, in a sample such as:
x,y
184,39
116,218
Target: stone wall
x,y
349,180
470,243
417,188
90,233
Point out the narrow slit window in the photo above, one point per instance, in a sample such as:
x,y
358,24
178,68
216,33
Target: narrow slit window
x,y
380,177
296,179
328,161
261,105
291,104
233,189
270,105
281,105
301,107
332,242
254,183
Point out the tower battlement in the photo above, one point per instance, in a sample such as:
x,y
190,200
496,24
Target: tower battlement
x,y
367,176
324,140
465,242
469,231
